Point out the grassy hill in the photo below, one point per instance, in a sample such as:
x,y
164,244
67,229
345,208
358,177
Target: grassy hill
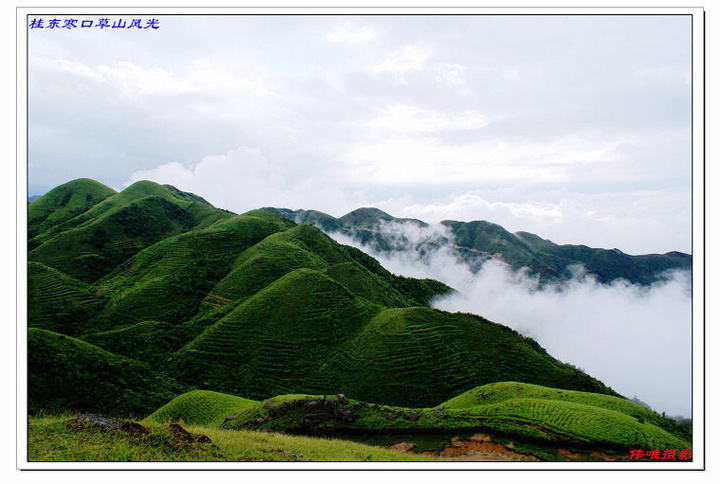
x,y
150,342
169,280
526,412
421,357
64,203
255,305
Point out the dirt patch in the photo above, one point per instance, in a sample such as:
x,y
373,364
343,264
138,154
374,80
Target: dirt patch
x,y
570,455
404,447
479,447
602,455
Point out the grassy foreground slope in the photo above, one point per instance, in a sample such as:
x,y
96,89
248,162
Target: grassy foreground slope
x,y
201,407
51,439
602,421
497,393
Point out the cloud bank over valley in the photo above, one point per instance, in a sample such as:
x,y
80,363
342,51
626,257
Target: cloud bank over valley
x,y
629,336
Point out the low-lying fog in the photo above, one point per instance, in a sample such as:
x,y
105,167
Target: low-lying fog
x,y
636,339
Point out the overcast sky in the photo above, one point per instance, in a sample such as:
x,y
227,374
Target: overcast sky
x,y
576,128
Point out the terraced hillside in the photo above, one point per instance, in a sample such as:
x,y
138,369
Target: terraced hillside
x,y
477,241
308,333
526,412
58,302
152,292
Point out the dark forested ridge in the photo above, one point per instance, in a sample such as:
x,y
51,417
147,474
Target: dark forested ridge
x,y
477,241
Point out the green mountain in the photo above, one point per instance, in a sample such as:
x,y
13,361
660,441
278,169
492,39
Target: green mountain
x,y
475,242
64,203
152,292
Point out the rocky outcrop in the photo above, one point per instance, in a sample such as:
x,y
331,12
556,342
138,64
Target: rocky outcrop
x,y
108,424
182,435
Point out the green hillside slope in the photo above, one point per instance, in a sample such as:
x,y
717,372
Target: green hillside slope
x,y
421,357
169,280
65,373
496,393
60,303
307,333
306,247
151,342
276,340
201,407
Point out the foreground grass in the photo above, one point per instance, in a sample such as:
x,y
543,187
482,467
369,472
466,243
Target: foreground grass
x,y
51,439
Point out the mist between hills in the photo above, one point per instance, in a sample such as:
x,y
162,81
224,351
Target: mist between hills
x,y
635,338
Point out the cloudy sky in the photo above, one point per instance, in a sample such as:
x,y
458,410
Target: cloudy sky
x,y
576,128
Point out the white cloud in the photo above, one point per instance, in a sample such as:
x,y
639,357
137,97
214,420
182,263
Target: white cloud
x,y
406,58
414,119
422,115
64,66
351,35
245,179
422,158
629,337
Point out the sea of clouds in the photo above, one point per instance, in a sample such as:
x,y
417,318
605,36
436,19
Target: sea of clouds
x,y
634,338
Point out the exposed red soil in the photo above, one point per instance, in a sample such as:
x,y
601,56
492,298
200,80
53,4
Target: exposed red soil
x,y
479,447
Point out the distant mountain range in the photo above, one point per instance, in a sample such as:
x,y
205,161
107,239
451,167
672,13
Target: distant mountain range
x,y
477,241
